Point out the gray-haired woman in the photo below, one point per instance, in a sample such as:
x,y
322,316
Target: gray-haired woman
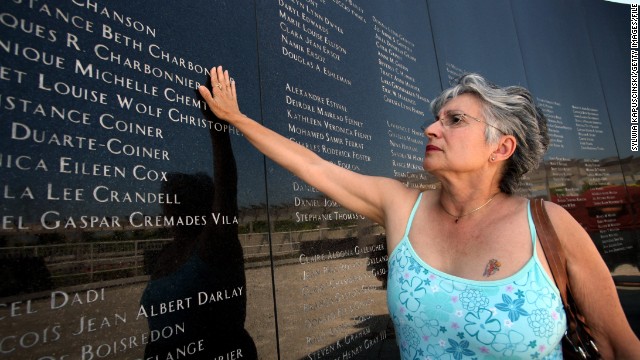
x,y
466,275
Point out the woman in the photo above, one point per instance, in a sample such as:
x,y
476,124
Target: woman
x,y
466,276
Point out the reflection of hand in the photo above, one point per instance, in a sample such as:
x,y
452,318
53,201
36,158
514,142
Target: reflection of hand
x,y
222,100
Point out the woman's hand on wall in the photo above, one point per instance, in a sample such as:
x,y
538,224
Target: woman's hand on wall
x,y
222,98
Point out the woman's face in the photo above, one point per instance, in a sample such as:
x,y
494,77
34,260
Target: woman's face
x,y
457,143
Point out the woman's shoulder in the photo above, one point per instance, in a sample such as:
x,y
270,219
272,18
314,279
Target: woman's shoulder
x,y
558,214
398,212
399,193
570,232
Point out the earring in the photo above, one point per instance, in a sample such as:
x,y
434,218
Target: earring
x,y
493,158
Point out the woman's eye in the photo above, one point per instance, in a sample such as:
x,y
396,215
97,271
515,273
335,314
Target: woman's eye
x,y
455,119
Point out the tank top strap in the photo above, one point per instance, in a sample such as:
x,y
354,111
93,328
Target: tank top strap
x,y
413,213
532,227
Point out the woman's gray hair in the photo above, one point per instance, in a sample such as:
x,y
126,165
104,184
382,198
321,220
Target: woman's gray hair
x,y
512,110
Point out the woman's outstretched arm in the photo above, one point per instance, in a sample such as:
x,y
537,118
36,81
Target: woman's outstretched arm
x,y
365,195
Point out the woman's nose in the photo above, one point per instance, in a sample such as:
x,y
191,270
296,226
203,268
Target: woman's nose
x,y
433,129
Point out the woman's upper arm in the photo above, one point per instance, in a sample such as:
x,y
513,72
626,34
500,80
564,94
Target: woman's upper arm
x,y
366,195
593,288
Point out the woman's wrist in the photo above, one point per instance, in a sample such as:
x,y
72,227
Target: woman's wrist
x,y
236,119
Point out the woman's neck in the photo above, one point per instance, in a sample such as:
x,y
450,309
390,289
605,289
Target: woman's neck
x,y
459,199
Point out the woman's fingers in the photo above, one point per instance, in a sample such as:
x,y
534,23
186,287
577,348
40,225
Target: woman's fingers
x,y
205,93
233,89
222,97
227,81
220,77
220,81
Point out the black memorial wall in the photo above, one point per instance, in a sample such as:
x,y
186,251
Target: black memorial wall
x,y
135,225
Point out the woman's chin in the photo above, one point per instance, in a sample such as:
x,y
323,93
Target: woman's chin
x,y
429,165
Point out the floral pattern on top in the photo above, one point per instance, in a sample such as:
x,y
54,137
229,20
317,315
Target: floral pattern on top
x,y
441,316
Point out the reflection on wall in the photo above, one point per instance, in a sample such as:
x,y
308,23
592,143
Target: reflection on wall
x,y
134,225
583,168
198,286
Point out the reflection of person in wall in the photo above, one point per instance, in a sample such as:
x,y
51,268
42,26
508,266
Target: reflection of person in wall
x,y
466,277
195,301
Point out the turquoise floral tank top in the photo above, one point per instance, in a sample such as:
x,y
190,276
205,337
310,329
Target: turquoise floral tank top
x,y
441,316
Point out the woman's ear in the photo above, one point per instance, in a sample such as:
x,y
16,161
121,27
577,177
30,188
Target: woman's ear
x,y
506,147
